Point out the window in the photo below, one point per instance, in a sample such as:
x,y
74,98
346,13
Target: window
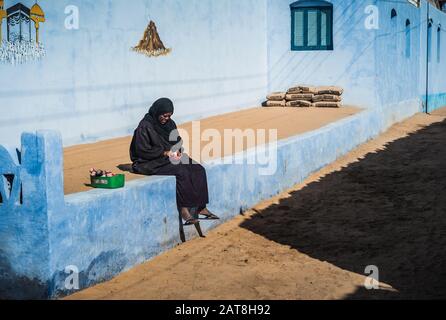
x,y
311,25
408,39
393,14
393,31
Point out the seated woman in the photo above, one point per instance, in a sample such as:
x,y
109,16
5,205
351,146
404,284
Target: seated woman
x,y
156,149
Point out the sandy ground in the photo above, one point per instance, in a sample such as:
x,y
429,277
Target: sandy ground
x,y
107,155
383,204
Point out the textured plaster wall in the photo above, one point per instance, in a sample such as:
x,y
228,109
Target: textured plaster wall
x,y
103,233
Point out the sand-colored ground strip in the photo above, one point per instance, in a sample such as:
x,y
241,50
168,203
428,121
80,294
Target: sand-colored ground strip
x,y
107,155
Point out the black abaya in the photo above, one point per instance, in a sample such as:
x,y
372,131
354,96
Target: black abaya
x,y
147,154
192,187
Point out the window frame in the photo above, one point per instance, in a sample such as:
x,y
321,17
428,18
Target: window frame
x,y
306,6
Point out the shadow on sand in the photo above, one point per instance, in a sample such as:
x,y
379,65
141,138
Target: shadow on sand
x,y
388,210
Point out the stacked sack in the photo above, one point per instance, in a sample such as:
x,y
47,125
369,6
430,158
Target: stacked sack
x,y
275,99
300,96
307,96
328,97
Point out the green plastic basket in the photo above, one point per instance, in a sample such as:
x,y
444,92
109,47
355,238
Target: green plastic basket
x,y
116,182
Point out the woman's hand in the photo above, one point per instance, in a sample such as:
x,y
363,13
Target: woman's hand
x,y
176,156
173,155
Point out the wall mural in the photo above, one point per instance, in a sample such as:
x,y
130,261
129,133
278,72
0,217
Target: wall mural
x,y
151,44
19,46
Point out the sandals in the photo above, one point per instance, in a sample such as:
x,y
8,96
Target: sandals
x,y
208,215
190,222
189,219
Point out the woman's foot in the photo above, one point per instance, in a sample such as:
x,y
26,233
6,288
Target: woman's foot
x,y
187,217
207,215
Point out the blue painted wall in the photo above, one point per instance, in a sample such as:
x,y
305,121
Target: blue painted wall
x,y
24,232
398,75
351,64
103,233
401,78
371,64
227,55
91,86
437,64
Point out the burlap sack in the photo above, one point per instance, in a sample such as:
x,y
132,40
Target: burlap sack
x,y
326,97
276,96
294,90
299,103
326,104
300,96
272,103
330,90
302,89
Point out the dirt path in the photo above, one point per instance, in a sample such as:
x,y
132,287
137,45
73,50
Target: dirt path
x,y
383,204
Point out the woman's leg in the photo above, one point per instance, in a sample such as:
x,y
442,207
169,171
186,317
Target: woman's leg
x,y
191,184
200,183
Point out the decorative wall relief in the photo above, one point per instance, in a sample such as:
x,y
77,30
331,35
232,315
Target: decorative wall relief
x,y
19,45
38,16
151,44
10,183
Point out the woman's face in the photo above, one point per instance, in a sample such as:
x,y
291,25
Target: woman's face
x,y
164,118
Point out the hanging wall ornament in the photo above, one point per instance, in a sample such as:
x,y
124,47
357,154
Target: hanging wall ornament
x,y
38,16
2,16
18,46
151,44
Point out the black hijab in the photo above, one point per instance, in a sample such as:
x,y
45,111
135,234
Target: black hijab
x,y
160,107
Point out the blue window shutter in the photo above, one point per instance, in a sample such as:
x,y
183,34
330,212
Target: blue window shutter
x,y
299,28
324,29
312,28
312,25
329,28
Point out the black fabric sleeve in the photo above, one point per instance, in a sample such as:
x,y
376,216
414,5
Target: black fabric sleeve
x,y
144,146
